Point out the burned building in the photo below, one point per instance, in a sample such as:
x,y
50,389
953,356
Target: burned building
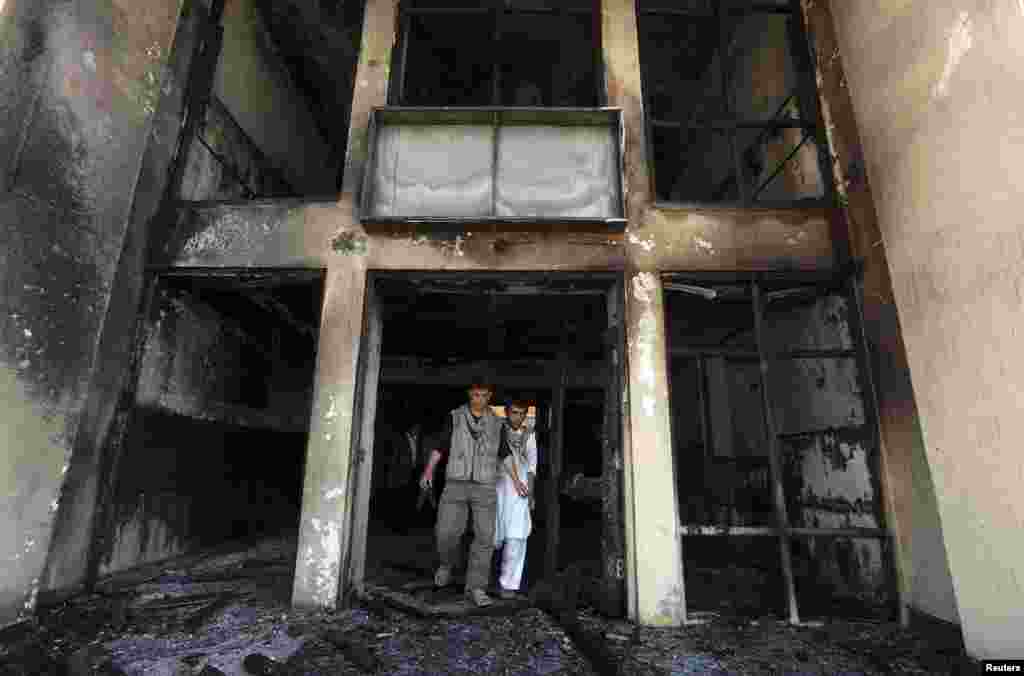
x,y
754,263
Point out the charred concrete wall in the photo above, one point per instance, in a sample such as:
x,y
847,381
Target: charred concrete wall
x,y
911,499
210,453
937,91
79,83
256,88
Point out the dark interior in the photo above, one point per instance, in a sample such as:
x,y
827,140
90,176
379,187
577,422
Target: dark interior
x,y
482,325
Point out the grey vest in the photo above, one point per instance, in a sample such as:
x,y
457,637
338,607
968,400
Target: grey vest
x,y
467,462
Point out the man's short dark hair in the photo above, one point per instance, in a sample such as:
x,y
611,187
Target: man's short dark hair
x,y
522,404
481,383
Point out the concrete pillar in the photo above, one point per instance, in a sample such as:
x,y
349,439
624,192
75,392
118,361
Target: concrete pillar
x,y
369,382
329,498
651,490
328,486
620,47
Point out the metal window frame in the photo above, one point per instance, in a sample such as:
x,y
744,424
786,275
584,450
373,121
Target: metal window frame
x,y
805,91
844,282
497,117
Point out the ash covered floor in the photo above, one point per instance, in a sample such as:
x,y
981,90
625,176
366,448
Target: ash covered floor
x,y
227,612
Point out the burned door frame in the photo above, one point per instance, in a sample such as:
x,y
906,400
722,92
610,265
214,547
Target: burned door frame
x,y
370,375
845,283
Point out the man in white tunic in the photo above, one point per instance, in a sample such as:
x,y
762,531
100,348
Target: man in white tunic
x,y
515,497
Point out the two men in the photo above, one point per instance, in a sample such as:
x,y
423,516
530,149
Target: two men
x,y
474,468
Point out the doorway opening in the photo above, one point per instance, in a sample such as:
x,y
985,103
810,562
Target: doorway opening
x,y
546,339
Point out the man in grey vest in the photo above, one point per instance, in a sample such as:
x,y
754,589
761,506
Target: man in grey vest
x,y
473,433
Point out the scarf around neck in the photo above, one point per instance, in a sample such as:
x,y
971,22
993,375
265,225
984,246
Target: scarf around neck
x,y
516,440
476,427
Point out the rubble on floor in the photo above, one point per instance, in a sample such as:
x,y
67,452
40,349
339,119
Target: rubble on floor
x,y
228,613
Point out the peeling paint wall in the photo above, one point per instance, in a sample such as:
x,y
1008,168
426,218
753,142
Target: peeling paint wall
x,y
257,89
79,83
936,86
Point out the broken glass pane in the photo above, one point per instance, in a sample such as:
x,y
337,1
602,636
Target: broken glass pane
x,y
433,170
802,318
829,480
844,577
736,408
557,171
694,165
448,60
706,316
780,164
719,480
763,76
700,7
812,395
547,60
681,69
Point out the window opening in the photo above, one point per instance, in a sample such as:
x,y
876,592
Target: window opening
x,y
510,53
775,434
729,93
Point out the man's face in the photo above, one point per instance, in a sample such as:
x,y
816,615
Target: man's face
x,y
516,416
479,398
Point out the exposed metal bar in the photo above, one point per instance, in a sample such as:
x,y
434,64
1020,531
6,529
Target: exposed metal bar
x,y
484,10
499,15
755,7
869,396
552,524
715,530
816,354
742,353
775,465
494,166
225,164
808,203
723,64
804,61
202,71
705,414
403,59
725,123
779,167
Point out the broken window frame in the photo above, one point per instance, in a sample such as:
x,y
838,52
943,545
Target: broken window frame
x,y
805,93
846,282
499,11
498,118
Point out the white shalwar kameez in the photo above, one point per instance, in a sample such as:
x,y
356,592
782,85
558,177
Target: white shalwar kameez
x,y
513,522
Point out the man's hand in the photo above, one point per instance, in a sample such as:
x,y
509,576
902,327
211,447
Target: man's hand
x,y
521,488
427,479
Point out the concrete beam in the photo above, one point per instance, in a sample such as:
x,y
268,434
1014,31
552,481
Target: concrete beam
x,y
328,494
651,490
297,234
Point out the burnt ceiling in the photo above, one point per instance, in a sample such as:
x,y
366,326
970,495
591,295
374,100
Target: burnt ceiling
x,y
493,318
319,42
